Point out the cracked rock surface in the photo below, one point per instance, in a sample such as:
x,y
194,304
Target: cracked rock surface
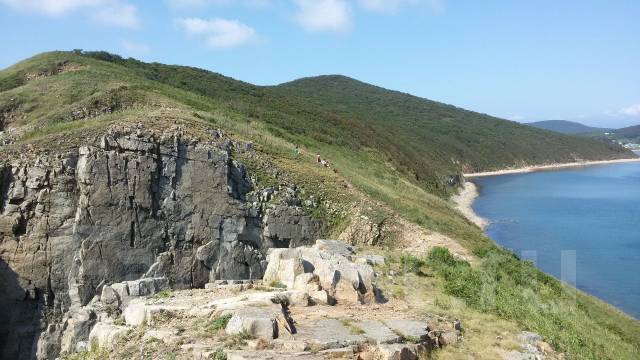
x,y
122,208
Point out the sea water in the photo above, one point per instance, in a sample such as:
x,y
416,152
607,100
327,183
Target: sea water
x,y
581,225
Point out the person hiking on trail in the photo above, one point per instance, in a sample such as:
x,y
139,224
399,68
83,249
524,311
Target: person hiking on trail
x,y
296,151
318,159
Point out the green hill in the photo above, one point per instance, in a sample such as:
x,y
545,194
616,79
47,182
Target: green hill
x,y
631,133
566,127
394,151
425,140
432,139
628,136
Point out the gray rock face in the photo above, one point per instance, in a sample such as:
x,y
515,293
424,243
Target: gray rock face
x,y
288,227
131,207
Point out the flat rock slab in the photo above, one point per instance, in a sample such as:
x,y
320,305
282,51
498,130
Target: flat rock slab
x,y
328,334
335,247
409,329
378,332
274,355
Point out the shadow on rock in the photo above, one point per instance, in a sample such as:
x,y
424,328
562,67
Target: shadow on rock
x,y
20,314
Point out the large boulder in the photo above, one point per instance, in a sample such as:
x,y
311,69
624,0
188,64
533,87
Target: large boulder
x,y
326,265
284,272
107,335
259,323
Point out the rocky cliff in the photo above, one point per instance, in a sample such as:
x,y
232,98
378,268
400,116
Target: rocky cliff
x,y
124,207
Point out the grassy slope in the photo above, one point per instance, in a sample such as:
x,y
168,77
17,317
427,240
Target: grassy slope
x,y
274,120
425,140
431,135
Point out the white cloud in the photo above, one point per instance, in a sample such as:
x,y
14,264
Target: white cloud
x,y
633,110
323,15
50,7
393,5
108,12
117,14
219,33
188,4
135,48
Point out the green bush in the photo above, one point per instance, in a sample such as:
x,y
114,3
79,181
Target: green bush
x,y
277,285
164,294
411,264
219,354
219,322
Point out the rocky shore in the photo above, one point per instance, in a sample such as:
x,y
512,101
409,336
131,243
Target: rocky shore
x,y
464,201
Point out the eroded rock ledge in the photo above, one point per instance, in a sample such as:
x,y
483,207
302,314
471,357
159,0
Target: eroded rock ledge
x,y
312,304
122,208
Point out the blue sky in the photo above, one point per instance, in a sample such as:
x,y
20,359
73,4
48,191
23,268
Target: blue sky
x,y
521,60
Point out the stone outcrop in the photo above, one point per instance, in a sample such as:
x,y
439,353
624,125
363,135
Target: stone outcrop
x,y
532,347
250,319
128,207
261,323
327,266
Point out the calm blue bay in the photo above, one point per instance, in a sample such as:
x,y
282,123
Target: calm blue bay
x,y
594,211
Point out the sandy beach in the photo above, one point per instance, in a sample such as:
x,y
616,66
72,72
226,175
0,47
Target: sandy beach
x,y
549,167
464,200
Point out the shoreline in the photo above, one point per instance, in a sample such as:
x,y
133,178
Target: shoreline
x,y
467,196
535,168
464,201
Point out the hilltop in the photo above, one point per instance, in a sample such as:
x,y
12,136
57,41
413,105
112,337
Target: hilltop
x,y
425,140
566,127
115,170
